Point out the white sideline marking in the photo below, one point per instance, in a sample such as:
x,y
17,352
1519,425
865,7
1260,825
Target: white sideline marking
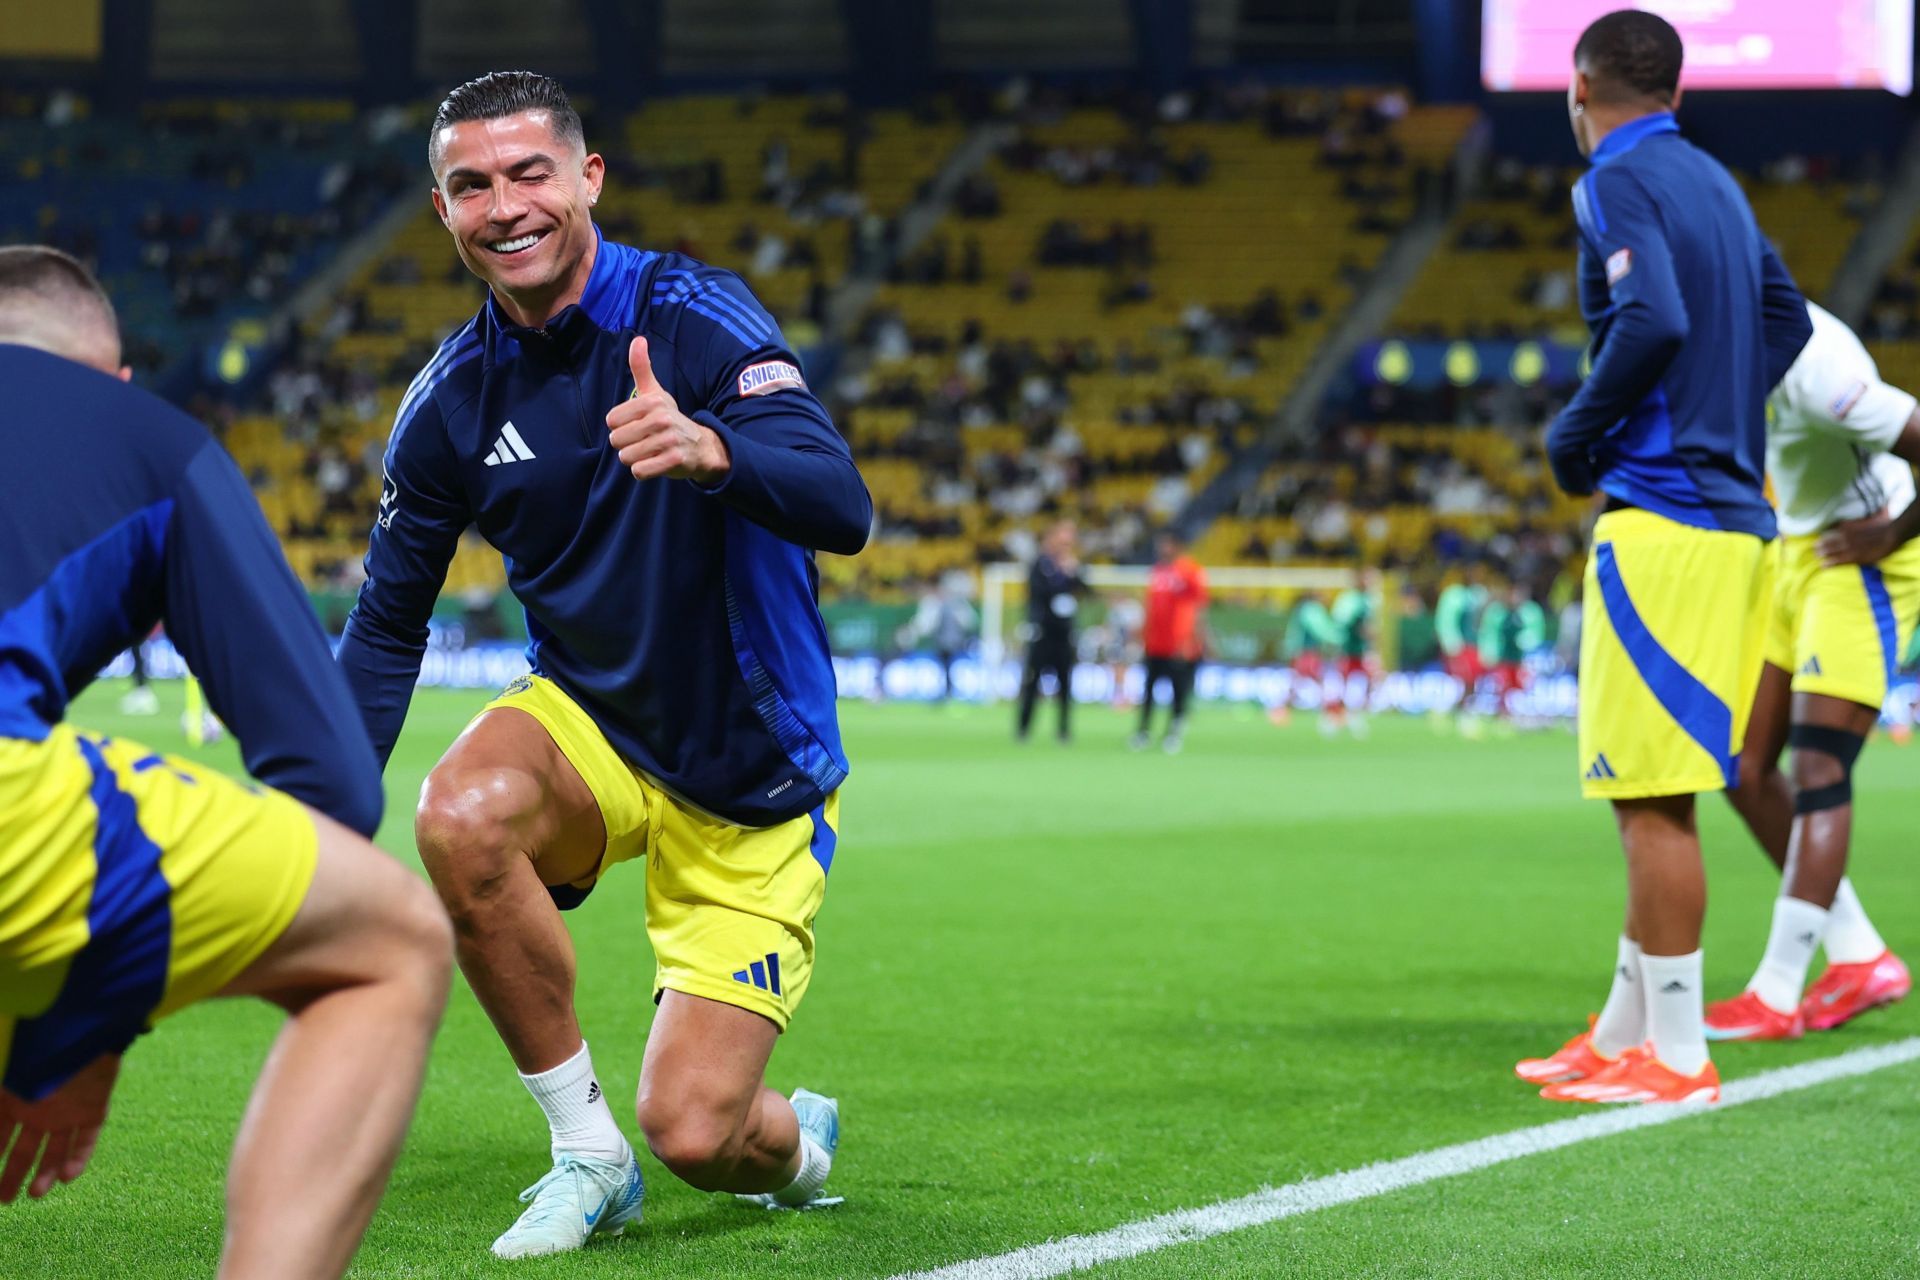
x,y
1058,1257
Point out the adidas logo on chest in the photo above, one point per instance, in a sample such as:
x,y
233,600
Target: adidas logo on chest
x,y
509,447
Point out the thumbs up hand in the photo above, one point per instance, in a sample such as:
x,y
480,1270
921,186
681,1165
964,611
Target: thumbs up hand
x,y
652,436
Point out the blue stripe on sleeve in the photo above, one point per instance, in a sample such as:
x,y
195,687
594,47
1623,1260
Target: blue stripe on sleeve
x,y
1693,706
717,305
1876,584
120,976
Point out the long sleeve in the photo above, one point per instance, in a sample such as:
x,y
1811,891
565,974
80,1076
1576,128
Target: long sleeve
x,y
1644,327
1783,315
412,543
792,472
248,631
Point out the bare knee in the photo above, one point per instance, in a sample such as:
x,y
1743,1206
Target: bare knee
x,y
702,1144
465,831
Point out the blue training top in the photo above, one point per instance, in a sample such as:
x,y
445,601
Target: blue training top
x,y
685,621
119,512
1694,321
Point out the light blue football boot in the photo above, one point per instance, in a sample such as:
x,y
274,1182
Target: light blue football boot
x,y
578,1199
819,1118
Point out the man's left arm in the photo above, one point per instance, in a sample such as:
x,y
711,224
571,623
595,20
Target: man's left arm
x,y
1783,316
1622,228
759,440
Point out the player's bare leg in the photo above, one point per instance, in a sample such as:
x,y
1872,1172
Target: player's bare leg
x,y
1764,798
708,1115
703,1105
1815,900
363,971
503,815
1817,856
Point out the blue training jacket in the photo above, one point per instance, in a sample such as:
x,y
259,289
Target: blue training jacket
x,y
1694,321
117,512
685,621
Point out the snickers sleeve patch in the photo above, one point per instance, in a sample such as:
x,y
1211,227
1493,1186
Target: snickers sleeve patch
x,y
1619,265
768,376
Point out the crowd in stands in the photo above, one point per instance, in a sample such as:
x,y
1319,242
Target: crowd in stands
x,y
1098,345
235,203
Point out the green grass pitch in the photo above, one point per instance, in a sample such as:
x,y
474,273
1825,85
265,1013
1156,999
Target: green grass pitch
x,y
1060,990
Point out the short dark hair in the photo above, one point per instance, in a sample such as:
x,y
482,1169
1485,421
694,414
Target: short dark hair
x,y
506,93
40,280
1630,53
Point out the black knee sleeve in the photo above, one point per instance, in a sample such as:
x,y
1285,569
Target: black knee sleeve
x,y
1843,748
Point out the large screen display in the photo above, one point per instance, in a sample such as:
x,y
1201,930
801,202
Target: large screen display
x,y
1731,44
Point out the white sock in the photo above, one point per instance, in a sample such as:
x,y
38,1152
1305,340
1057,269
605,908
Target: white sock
x,y
1675,1013
814,1164
1623,1019
1851,937
1797,929
577,1113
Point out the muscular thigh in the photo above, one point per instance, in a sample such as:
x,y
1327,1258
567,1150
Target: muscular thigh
x,y
508,765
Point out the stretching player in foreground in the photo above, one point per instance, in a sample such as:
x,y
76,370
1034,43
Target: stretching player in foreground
x,y
1844,607
1694,320
629,429
134,884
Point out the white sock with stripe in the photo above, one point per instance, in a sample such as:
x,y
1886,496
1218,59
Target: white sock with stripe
x,y
1797,929
1676,1016
1851,937
1623,1019
577,1112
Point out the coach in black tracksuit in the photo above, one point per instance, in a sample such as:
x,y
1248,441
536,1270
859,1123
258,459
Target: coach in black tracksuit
x,y
1054,588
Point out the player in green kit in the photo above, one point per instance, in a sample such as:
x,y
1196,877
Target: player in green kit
x,y
1511,627
1456,622
1309,638
1352,619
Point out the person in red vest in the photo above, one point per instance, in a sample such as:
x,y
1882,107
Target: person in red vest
x,y
1172,638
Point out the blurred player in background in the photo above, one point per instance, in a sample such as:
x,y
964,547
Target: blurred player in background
x,y
1120,644
1304,646
140,700
134,884
1352,616
1840,451
1054,591
631,431
1173,638
1456,625
946,617
1512,626
1694,321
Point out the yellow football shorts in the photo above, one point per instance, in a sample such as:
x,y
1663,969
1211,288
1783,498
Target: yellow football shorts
x,y
730,909
131,885
1841,630
1672,637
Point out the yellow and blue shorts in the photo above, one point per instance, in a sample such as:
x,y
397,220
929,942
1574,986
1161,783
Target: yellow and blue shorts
x,y
131,885
730,909
1673,634
1841,630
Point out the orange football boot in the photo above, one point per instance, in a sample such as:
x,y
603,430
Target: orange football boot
x,y
1748,1017
1845,991
1575,1060
1638,1076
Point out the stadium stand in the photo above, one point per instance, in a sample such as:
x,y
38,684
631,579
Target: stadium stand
x,y
1107,314
235,204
